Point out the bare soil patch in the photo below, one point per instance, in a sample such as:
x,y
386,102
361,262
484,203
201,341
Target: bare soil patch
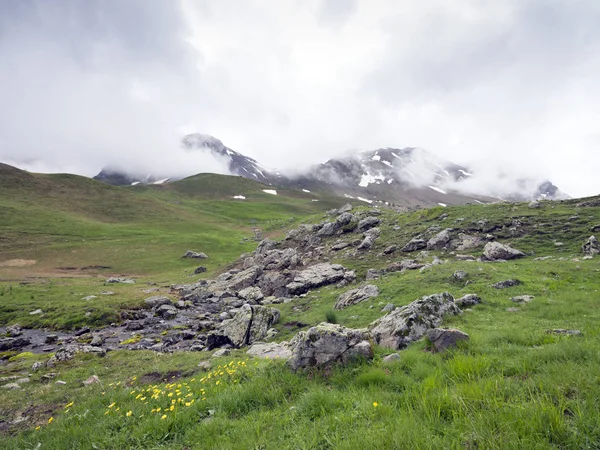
x,y
18,263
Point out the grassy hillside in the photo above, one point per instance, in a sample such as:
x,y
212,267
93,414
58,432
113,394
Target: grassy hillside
x,y
513,385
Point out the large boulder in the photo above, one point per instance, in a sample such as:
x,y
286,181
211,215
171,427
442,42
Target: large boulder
x,y
328,344
156,301
414,244
367,223
250,324
409,323
494,251
439,241
252,293
238,281
316,276
355,296
591,247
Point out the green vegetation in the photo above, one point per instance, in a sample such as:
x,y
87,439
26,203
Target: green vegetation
x,y
513,385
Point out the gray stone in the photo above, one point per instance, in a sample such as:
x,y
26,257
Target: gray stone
x,y
591,247
205,365
370,237
60,382
221,352
391,358
199,270
339,246
406,264
37,312
167,312
316,276
390,249
355,296
252,293
460,275
522,299
439,241
238,281
11,387
373,274
506,284
367,223
250,324
13,343
120,280
535,205
442,339
465,258
467,300
14,330
195,255
346,208
328,229
134,325
563,332
387,308
409,323
343,220
270,350
414,245
494,251
51,339
97,340
327,344
91,380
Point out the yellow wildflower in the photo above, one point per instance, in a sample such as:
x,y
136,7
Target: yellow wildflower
x,y
129,413
112,404
51,419
164,416
375,404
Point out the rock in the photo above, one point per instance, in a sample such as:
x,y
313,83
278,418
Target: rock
x,y
467,300
13,343
367,223
322,274
270,350
36,312
409,323
370,237
406,264
442,339
387,308
251,293
355,296
391,358
24,380
46,378
91,380
205,365
535,205
250,324
195,255
513,309
221,352
89,297
328,229
390,249
167,312
36,366
96,350
506,284
414,245
327,344
439,241
373,274
346,208
14,331
460,275
522,299
465,258
562,332
134,326
591,247
63,354
97,341
238,281
343,220
120,280
51,339
199,270
339,246
82,331
60,382
11,387
494,251
156,301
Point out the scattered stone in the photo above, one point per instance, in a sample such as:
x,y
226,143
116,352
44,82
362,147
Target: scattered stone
x,y
355,296
391,358
346,208
465,242
11,387
373,274
494,251
370,237
205,365
62,354
120,280
89,297
14,331
460,275
82,331
439,241
414,245
134,325
467,300
367,223
591,247
391,249
51,339
156,301
36,312
407,264
108,293
387,308
195,255
97,341
36,366
250,324
221,352
327,344
339,246
199,270
535,205
513,309
322,274
167,312
270,350
560,331
22,380
442,339
251,293
60,382
91,380
522,299
506,284
409,323
13,343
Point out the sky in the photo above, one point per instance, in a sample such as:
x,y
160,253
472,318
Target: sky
x,y
508,85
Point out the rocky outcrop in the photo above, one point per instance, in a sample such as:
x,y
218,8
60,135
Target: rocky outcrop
x,y
414,245
367,223
467,300
156,301
250,324
495,251
591,247
355,296
328,344
506,284
316,276
13,343
235,282
443,339
370,237
409,323
439,241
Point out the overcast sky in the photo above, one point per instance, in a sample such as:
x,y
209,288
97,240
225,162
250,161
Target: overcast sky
x,y
507,83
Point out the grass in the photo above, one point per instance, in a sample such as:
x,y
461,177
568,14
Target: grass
x,y
513,385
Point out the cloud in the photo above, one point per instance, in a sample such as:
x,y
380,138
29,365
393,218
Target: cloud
x,y
291,83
